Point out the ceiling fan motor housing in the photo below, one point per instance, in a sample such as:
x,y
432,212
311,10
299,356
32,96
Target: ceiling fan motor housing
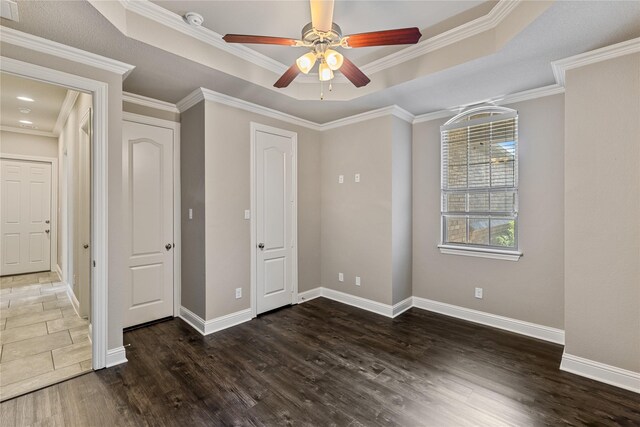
x,y
311,36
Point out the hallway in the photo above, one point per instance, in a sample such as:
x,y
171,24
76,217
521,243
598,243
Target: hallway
x,y
43,341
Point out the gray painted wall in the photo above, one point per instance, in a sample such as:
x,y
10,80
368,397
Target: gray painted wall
x,y
227,195
356,217
192,172
401,215
530,289
602,217
28,145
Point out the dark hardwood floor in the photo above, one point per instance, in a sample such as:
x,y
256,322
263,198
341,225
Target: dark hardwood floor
x,y
324,363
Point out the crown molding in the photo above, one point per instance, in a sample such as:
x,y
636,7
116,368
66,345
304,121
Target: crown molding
x,y
392,110
202,94
561,66
487,22
174,21
65,110
49,47
144,101
526,95
28,131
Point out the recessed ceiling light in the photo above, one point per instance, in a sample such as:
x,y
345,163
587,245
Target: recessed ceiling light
x,y
26,122
25,98
24,110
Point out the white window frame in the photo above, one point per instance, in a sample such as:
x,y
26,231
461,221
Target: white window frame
x,y
466,119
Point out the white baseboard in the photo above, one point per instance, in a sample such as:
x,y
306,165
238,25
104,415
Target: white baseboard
x,y
74,301
608,374
116,356
206,327
309,295
402,306
534,330
355,301
59,271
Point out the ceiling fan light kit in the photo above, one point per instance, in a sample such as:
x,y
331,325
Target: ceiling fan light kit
x,y
320,36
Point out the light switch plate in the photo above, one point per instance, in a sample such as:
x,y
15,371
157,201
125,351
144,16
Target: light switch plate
x,y
478,293
357,280
340,277
190,213
357,177
247,214
340,179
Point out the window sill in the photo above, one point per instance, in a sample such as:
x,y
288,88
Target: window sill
x,y
480,252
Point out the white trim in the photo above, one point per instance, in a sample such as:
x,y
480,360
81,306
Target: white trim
x,y
201,94
253,128
359,302
484,23
561,66
59,271
65,110
59,50
214,325
480,252
309,295
144,101
525,95
115,356
53,218
177,211
72,297
597,371
172,20
392,110
521,327
100,294
402,306
28,131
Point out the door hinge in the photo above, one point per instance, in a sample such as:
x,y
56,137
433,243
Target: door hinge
x,y
94,262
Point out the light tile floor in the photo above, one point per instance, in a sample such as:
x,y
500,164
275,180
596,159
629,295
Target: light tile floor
x,y
42,339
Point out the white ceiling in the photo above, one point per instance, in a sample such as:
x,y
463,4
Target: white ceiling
x,y
567,28
45,109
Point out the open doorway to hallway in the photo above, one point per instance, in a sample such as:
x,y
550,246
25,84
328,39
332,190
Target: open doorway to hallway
x,y
45,234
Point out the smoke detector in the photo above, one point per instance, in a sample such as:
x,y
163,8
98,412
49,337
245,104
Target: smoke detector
x,y
194,19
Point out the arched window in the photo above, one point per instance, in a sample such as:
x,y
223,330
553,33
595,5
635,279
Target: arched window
x,y
479,180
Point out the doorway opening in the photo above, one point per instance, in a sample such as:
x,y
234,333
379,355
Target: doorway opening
x,y
46,243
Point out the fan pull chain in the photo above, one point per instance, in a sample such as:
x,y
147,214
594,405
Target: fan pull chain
x,y
321,91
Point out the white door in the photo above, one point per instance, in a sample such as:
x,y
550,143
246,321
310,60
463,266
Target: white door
x,y
274,217
83,222
148,183
25,217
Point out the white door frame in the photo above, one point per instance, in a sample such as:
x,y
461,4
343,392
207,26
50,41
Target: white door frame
x,y
177,250
99,219
254,128
54,200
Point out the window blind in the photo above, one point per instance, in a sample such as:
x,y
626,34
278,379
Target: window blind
x,y
479,155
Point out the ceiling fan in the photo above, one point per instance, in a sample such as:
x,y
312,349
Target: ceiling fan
x,y
320,36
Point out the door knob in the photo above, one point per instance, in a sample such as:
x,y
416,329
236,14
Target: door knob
x,y
46,222
46,231
261,246
168,246
86,246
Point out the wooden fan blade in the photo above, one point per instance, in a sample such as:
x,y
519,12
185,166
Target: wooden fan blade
x,y
353,73
383,38
243,38
322,14
288,76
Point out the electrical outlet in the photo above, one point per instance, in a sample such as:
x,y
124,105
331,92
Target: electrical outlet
x,y
357,177
357,280
340,179
340,277
247,214
238,293
479,293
